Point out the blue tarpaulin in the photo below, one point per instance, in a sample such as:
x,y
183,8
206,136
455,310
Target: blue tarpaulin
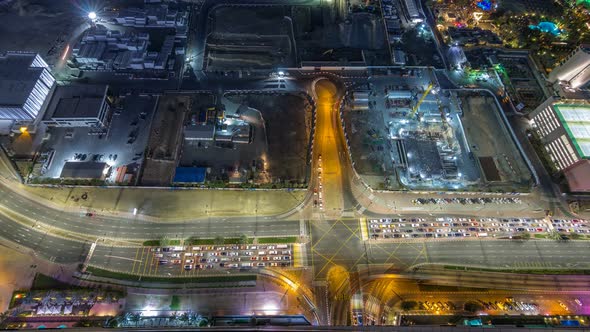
x,y
190,175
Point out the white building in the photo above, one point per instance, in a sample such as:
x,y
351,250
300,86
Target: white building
x,y
26,85
79,106
152,16
564,128
103,49
575,69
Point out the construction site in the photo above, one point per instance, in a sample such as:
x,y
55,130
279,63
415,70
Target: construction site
x,y
249,38
421,145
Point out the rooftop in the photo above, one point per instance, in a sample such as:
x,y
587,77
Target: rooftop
x,y
76,101
19,72
83,170
199,132
576,122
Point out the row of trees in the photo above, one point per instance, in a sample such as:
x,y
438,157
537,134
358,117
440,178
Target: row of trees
x,y
218,240
175,319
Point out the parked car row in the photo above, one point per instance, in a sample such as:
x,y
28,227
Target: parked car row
x,y
451,227
318,199
468,201
224,256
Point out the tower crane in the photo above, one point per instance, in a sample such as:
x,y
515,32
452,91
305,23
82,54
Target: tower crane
x,y
426,92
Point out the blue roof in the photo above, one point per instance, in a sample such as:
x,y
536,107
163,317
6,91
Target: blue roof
x,y
190,175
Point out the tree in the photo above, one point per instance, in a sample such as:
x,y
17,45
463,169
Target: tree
x,y
408,305
472,306
219,240
173,318
164,241
136,318
574,236
525,235
184,318
243,239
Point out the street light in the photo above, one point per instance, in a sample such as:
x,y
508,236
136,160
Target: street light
x,y
92,15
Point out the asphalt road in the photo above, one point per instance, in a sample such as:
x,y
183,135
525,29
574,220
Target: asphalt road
x,y
336,242
123,228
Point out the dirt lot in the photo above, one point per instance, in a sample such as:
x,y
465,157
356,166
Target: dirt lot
x,y
482,122
287,119
250,37
367,142
165,140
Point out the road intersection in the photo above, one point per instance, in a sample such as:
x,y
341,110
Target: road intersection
x,y
332,237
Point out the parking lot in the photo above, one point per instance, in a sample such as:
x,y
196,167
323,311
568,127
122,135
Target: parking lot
x,y
122,144
462,227
202,259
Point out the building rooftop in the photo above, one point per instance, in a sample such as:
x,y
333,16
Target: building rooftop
x,y
19,72
76,101
199,132
576,122
83,170
190,175
577,176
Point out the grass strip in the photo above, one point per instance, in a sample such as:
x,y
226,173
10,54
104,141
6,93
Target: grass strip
x,y
519,271
286,239
98,272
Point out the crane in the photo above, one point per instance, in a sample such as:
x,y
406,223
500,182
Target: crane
x,y
415,108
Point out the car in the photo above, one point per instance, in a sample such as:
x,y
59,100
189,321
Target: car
x,y
254,258
273,252
176,261
261,264
155,249
188,254
213,253
189,261
273,264
265,258
163,261
578,302
188,267
276,258
286,258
